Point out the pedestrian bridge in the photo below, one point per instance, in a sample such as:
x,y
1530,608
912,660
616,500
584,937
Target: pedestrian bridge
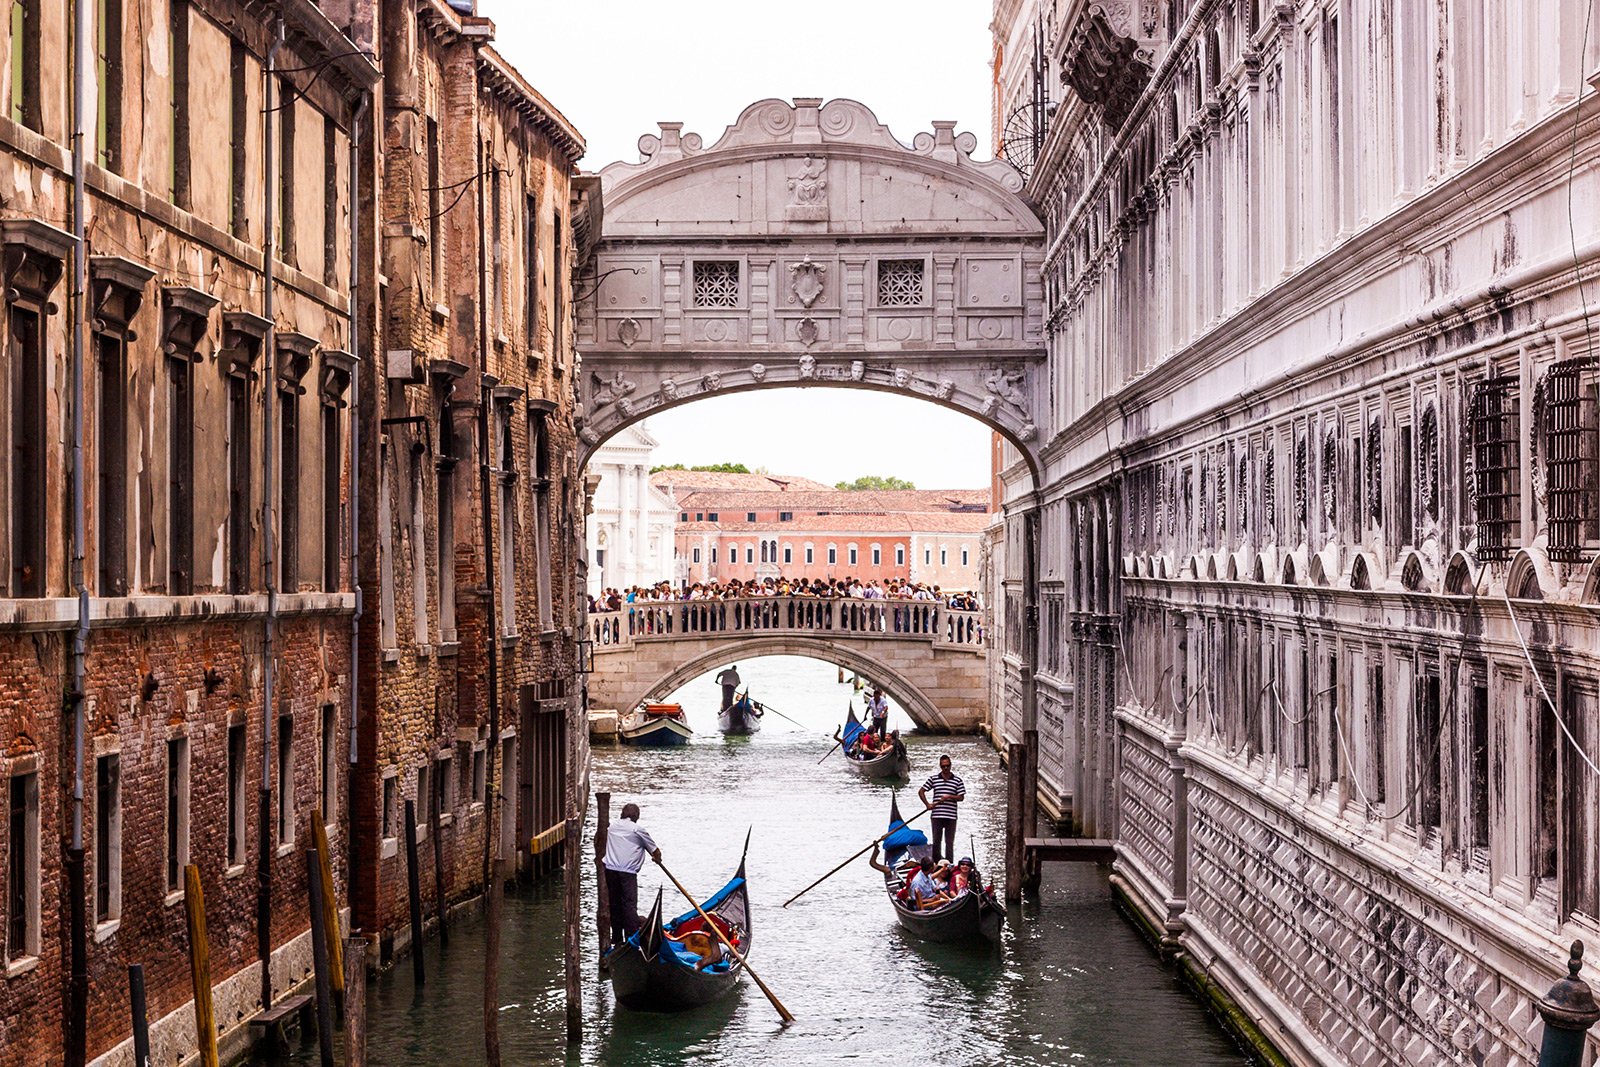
x,y
928,658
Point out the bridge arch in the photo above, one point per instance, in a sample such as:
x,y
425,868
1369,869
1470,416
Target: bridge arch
x,y
810,247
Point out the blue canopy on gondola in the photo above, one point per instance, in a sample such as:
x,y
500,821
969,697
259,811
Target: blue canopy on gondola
x,y
852,729
901,835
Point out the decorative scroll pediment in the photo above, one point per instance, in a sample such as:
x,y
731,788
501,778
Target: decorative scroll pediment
x,y
338,367
1103,64
185,316
243,334
294,359
35,257
116,291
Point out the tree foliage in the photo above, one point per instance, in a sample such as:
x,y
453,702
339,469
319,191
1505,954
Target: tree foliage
x,y
874,481
713,468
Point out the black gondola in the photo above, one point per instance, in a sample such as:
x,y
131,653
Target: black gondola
x,y
743,716
973,915
651,971
894,763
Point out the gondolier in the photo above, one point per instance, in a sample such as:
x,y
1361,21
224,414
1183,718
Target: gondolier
x,y
729,680
627,844
948,790
878,709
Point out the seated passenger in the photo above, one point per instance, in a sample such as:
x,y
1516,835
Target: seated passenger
x,y
962,878
925,893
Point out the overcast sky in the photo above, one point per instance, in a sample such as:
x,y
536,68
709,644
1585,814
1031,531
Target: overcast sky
x,y
617,67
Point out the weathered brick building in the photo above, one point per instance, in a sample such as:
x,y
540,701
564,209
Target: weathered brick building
x,y
476,244
251,338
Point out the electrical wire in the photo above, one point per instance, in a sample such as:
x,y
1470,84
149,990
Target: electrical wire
x,y
1543,692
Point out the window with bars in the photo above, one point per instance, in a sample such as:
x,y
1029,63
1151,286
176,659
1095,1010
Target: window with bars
x,y
1496,455
1330,484
900,282
1571,437
1269,494
716,283
1302,494
1428,462
1375,471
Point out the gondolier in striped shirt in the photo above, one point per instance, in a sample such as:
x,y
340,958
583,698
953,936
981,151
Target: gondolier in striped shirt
x,y
627,844
948,790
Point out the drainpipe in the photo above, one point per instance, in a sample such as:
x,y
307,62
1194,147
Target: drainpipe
x,y
362,103
269,250
78,965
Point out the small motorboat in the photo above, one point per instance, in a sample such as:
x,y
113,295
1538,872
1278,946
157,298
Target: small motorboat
x,y
652,971
657,725
974,915
743,716
891,763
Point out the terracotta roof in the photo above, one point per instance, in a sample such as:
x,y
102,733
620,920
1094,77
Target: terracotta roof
x,y
837,501
923,522
682,482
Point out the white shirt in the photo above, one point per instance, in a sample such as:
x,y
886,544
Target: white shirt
x,y
627,846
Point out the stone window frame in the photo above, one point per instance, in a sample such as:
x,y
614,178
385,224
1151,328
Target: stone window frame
x,y
288,788
236,764
295,354
20,962
107,862
333,388
185,320
899,555
422,786
388,813
244,335
741,280
177,844
444,786
328,761
116,289
924,299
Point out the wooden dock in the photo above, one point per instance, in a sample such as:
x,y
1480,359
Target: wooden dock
x,y
1071,849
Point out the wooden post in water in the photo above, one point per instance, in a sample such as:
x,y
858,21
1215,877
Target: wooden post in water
x,y
355,1002
414,883
436,820
319,958
330,908
602,895
574,903
205,1024
1030,804
136,1008
1016,755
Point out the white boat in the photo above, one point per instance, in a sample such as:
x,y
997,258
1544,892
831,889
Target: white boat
x,y
658,725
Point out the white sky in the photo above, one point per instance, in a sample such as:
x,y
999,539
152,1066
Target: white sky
x,y
617,67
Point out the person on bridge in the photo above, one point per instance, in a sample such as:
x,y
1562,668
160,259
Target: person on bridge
x,y
878,708
948,791
627,844
729,680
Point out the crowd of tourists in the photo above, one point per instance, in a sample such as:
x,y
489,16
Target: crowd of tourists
x,y
820,588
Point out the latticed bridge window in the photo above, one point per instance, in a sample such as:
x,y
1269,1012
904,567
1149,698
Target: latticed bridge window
x,y
899,282
1572,439
716,283
1496,455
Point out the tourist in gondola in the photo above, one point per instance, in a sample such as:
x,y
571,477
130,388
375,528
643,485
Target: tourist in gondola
x,y
925,892
948,790
627,844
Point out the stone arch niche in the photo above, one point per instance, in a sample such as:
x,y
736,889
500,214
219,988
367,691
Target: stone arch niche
x,y
810,247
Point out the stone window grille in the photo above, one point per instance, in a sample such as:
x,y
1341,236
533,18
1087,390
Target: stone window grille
x,y
1205,500
1330,484
900,282
1497,476
1375,471
1428,462
1572,433
1269,494
1221,489
1241,516
716,283
1302,496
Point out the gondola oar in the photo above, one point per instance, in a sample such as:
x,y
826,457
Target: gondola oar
x,y
836,744
858,855
783,1012
779,714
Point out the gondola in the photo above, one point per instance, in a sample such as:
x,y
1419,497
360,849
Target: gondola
x,y
743,716
892,764
655,725
973,916
651,972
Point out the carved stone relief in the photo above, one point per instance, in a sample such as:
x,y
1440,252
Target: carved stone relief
x,y
609,390
758,371
808,331
806,281
808,192
808,366
628,332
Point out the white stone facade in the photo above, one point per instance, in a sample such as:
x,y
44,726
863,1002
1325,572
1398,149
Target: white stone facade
x,y
632,529
1321,456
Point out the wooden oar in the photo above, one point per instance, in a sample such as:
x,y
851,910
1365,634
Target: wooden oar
x,y
858,855
779,714
836,745
783,1012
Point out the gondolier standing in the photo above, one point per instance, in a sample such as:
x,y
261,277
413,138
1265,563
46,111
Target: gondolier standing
x,y
878,708
627,844
948,790
729,680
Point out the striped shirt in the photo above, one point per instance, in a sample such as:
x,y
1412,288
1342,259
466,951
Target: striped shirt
x,y
942,790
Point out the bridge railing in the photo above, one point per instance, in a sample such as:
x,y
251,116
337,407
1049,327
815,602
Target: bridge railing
x,y
915,620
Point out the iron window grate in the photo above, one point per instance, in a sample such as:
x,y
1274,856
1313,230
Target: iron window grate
x,y
1497,478
1572,433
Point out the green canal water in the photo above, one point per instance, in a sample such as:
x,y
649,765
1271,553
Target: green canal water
x,y
1071,984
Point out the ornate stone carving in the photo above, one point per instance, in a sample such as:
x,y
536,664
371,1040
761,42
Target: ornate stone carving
x,y
758,371
588,436
1007,385
858,370
808,366
808,192
628,332
711,382
805,281
807,331
944,389
902,378
669,388
609,390
1028,432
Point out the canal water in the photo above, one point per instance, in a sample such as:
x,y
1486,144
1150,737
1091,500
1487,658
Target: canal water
x,y
1071,984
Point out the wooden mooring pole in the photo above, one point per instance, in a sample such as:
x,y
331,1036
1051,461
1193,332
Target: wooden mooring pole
x,y
330,908
141,1023
319,958
1016,758
436,821
602,896
573,853
205,1023
355,1002
414,883
1030,807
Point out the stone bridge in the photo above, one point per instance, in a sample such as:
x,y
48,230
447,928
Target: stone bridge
x,y
928,658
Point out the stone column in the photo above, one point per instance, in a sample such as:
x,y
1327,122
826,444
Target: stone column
x,y
642,562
